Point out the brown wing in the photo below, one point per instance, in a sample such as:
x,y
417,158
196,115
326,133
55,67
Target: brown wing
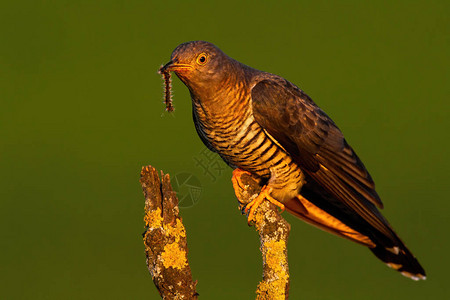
x,y
318,146
340,189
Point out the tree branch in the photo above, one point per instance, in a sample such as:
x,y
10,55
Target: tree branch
x,y
165,238
166,244
273,232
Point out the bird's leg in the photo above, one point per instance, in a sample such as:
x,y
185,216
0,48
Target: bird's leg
x,y
264,194
236,180
253,205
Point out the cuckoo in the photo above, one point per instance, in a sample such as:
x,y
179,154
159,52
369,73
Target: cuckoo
x,y
260,123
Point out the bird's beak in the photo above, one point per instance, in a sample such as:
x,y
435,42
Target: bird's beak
x,y
173,66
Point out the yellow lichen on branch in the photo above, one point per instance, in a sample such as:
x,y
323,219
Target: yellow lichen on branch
x,y
178,230
173,257
165,238
274,257
273,232
166,244
153,219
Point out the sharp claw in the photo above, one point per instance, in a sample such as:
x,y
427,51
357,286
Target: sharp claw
x,y
236,180
251,207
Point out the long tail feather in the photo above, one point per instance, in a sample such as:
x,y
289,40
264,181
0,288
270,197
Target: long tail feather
x,y
319,209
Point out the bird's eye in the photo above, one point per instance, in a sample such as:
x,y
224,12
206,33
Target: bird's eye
x,y
202,58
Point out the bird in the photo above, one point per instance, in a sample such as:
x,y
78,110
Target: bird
x,y
261,124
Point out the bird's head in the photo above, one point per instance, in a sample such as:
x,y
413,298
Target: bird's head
x,y
200,65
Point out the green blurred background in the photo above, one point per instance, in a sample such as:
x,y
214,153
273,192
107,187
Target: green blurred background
x,y
81,112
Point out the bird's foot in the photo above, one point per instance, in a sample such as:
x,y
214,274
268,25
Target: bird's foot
x,y
236,180
253,205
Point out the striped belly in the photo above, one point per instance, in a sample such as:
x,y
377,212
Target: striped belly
x,y
246,145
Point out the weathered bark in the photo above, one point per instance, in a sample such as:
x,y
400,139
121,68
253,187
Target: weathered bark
x,y
166,245
165,238
273,232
